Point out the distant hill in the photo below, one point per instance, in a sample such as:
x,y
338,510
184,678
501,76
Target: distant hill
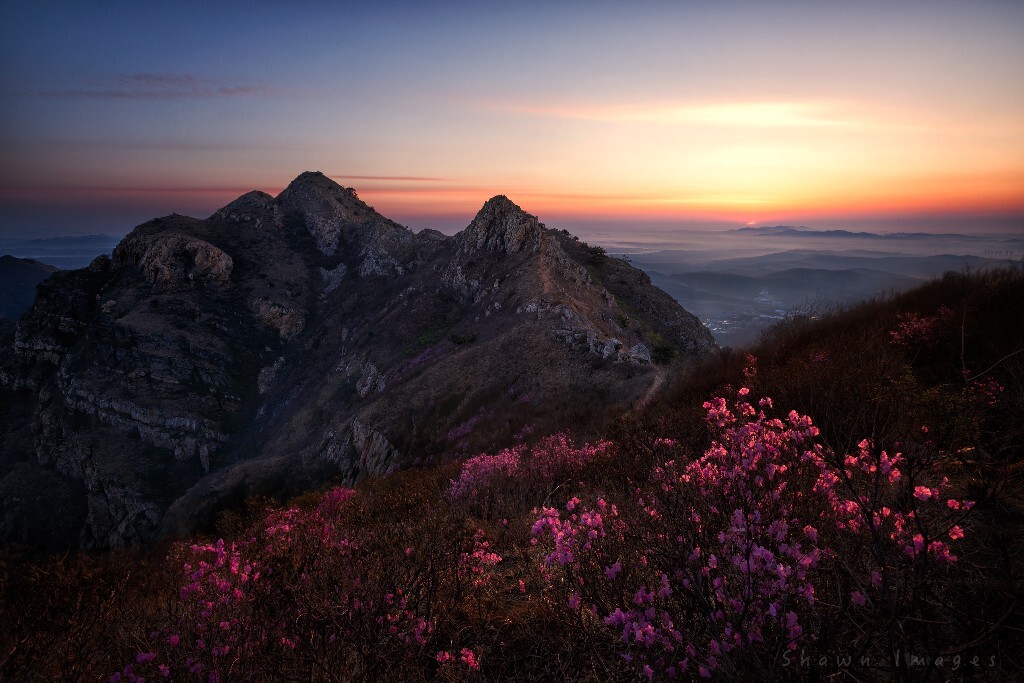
x,y
18,280
910,266
793,285
737,307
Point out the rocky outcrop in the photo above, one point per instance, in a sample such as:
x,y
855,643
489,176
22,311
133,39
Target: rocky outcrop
x,y
501,227
374,454
287,321
117,516
289,340
187,436
175,260
332,278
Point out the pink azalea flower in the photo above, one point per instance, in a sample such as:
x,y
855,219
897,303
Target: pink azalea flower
x,y
923,493
469,659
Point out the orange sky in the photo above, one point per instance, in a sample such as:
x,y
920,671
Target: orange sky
x,y
726,111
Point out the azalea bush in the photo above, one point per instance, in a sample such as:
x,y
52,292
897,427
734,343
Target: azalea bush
x,y
313,592
503,484
715,566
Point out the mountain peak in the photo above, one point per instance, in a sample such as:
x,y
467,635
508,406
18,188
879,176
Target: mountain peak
x,y
502,226
245,207
316,182
315,179
325,206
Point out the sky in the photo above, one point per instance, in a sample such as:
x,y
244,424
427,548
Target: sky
x,y
639,115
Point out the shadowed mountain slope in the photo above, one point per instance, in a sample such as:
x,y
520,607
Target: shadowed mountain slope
x,y
18,280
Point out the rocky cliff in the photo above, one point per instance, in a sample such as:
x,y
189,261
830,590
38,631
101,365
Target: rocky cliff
x,y
286,340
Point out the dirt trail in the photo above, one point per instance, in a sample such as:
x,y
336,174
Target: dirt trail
x,y
660,375
543,267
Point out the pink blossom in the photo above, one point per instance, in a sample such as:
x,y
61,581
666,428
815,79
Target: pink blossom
x,y
469,659
923,493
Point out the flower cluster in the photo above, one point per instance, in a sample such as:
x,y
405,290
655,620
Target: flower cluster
x,y
987,391
519,472
556,456
916,329
573,537
466,657
481,470
477,564
303,577
464,429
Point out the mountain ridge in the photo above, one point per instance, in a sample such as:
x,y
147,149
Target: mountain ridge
x,y
287,340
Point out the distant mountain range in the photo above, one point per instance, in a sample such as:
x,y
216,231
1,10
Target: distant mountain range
x,y
801,231
289,340
912,266
738,296
75,251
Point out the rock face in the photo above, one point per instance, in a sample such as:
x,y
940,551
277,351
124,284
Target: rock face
x,y
501,227
289,340
175,260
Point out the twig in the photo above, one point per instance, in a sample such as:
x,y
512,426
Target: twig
x,y
982,374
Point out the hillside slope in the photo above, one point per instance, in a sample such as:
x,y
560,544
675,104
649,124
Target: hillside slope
x,y
842,493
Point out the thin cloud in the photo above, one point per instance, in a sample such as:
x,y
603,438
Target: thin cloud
x,y
758,114
158,87
57,191
401,178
